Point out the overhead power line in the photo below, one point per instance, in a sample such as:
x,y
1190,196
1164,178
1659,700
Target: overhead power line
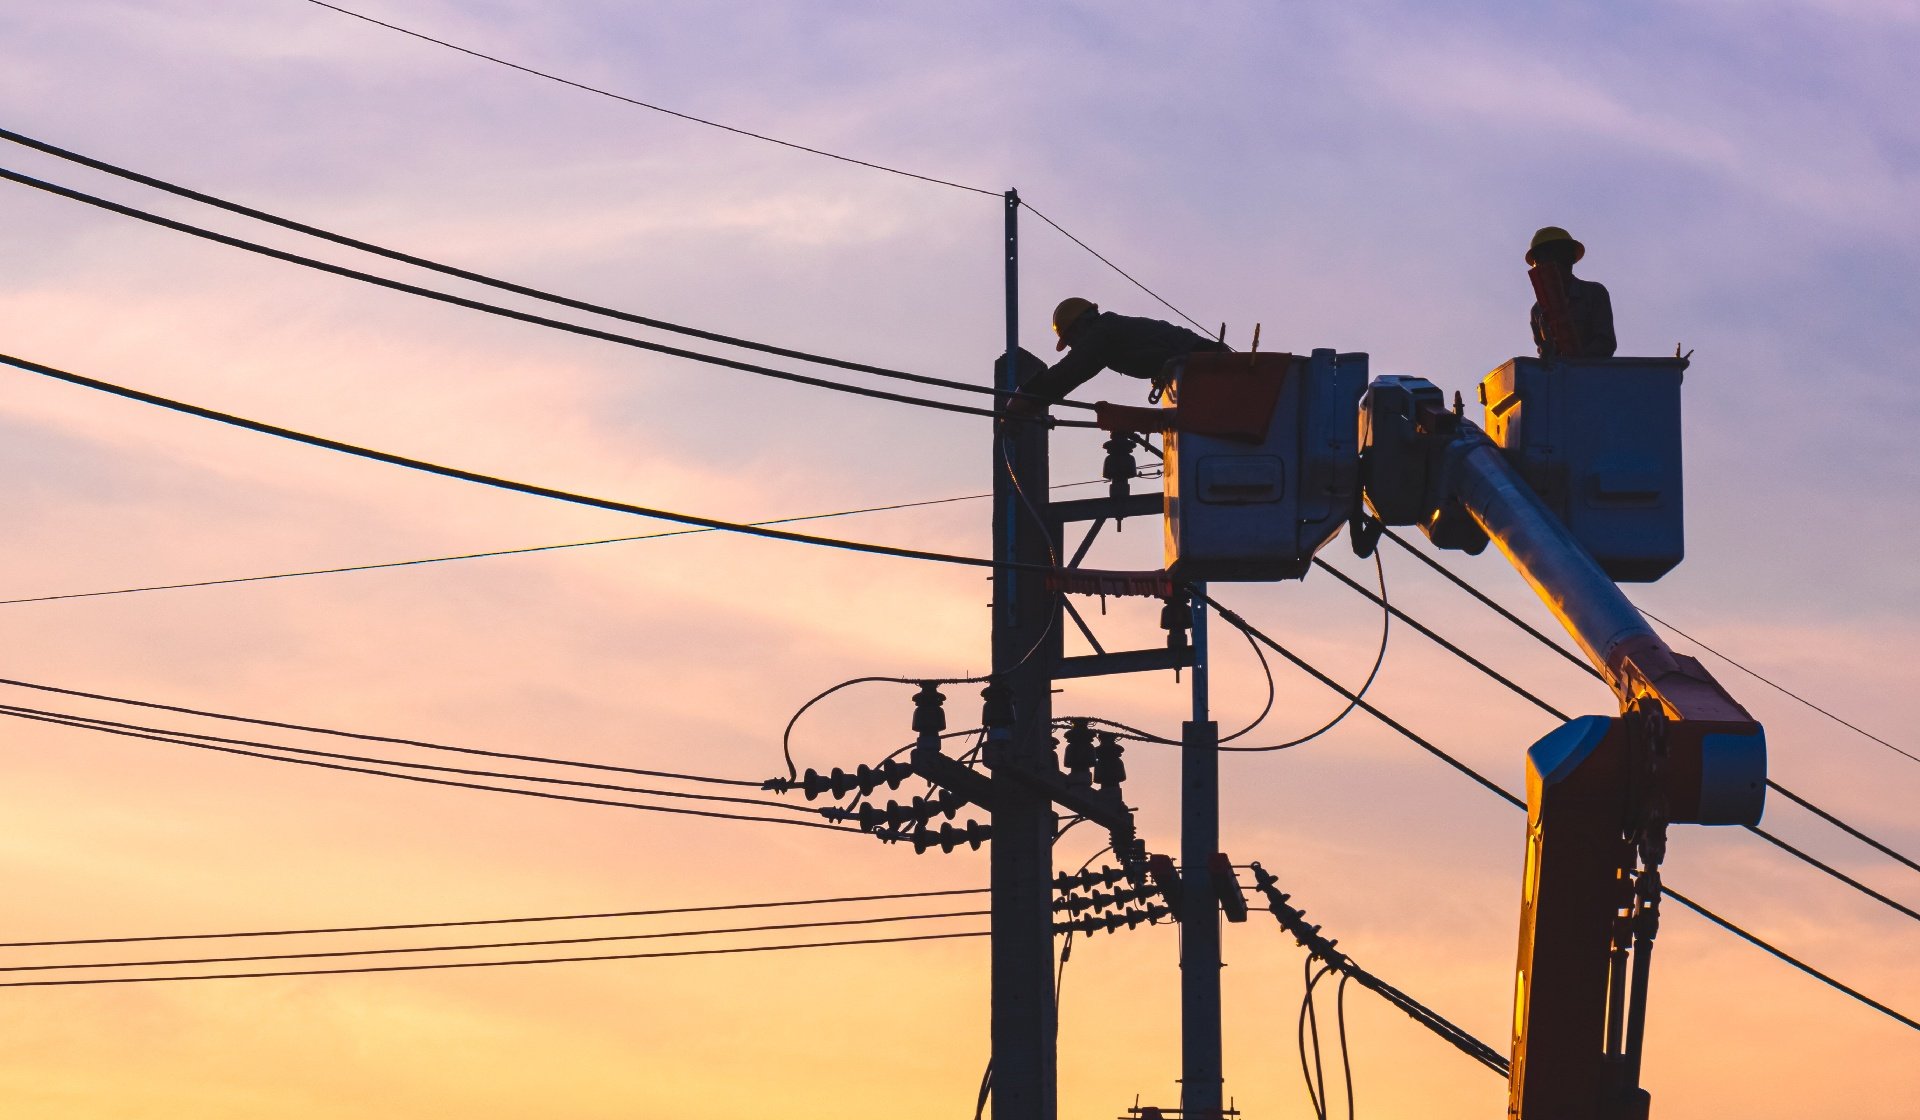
x,y
368,969
1776,841
492,281
621,97
428,780
597,939
584,87
372,738
1235,620
468,922
1484,600
1780,688
417,562
168,734
503,483
518,316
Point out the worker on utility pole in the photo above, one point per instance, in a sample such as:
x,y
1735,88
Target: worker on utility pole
x,y
1097,340
1572,318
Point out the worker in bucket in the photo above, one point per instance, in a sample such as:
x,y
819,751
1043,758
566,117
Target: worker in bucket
x,y
1572,318
1097,340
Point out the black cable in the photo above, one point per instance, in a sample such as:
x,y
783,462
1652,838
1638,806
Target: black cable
x,y
1795,962
170,734
1782,689
1233,619
1103,260
1381,602
501,551
481,964
532,944
1346,1056
1838,823
1834,872
1494,788
390,926
1373,674
1307,1019
1455,649
493,281
503,483
575,799
1487,602
470,52
363,736
1266,709
522,316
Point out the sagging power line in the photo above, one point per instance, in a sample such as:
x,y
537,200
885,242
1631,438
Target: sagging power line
x,y
501,312
634,101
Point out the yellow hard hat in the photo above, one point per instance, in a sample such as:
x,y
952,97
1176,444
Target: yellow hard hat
x,y
1064,315
1547,234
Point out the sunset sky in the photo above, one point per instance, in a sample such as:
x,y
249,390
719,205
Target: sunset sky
x,y
1362,176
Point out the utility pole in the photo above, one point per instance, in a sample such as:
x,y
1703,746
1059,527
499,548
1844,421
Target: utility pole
x,y
1026,643
1202,1081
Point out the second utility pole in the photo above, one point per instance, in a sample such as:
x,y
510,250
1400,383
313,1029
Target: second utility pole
x,y
1201,1077
1026,643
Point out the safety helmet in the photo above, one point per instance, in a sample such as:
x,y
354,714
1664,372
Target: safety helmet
x,y
1064,316
1548,234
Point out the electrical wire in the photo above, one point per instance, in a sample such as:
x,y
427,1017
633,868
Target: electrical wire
x,y
1495,788
369,969
1346,1055
1489,603
468,922
169,734
494,281
1103,260
371,738
503,483
539,943
584,87
472,53
449,782
1776,841
1309,1022
524,316
1780,688
1233,618
1354,698
1836,822
500,552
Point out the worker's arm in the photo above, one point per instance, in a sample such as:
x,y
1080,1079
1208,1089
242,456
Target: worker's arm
x,y
1066,375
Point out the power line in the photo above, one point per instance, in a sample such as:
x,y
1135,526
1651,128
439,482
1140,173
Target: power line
x,y
364,970
256,958
757,136
488,280
469,51
1484,600
518,316
1103,260
503,483
168,734
1487,783
449,782
495,552
371,738
1797,853
1790,849
390,926
1780,688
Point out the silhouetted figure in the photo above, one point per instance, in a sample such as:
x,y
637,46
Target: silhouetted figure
x,y
1098,340
1572,318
